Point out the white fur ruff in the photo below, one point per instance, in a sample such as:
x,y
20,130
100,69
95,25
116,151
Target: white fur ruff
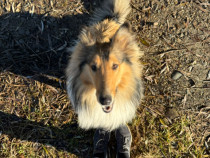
x,y
95,117
91,115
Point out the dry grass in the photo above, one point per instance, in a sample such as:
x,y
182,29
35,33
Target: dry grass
x,y
36,119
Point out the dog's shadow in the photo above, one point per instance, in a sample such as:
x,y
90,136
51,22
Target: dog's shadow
x,y
34,46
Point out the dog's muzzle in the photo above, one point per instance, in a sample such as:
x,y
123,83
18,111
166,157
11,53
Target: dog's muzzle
x,y
107,108
106,103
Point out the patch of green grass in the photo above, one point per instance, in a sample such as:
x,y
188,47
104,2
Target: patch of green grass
x,y
156,136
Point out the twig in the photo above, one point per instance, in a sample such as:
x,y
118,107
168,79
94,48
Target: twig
x,y
135,7
165,51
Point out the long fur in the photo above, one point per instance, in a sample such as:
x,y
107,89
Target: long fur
x,y
106,27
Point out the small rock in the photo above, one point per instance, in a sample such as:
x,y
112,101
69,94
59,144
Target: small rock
x,y
171,113
155,23
176,75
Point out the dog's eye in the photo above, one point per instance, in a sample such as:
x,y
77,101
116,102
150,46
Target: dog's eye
x,y
93,67
114,66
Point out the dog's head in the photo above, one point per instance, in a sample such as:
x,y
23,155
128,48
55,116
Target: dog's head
x,y
108,53
106,73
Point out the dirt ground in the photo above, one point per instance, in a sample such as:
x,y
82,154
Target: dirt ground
x,y
36,119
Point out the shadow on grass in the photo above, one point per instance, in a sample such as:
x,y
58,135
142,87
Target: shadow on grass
x,y
67,138
35,46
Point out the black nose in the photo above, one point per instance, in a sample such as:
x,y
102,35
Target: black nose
x,y
105,100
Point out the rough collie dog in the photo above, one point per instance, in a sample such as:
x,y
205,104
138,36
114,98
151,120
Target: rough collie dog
x,y
104,73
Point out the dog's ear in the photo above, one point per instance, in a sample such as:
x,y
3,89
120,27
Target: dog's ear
x,y
124,44
123,39
100,33
87,37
